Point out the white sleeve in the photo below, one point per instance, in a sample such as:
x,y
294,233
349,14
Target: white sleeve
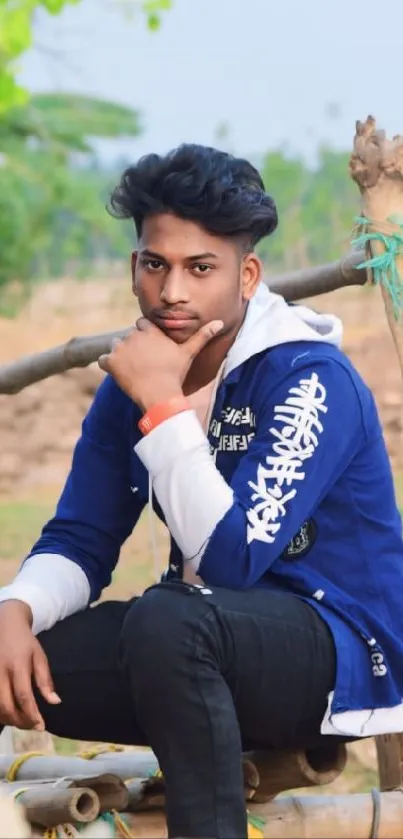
x,y
53,586
191,491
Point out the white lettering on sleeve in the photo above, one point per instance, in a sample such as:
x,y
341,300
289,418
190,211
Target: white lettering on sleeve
x,y
295,441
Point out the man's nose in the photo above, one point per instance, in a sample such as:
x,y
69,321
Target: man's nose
x,y
175,288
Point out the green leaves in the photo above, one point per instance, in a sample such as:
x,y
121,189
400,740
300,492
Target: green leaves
x,y
316,205
51,212
16,22
65,122
153,9
55,6
15,38
15,28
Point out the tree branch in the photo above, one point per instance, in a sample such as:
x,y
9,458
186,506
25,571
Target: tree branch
x,y
77,352
320,279
82,351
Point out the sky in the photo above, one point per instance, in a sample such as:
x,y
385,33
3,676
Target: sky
x,y
294,73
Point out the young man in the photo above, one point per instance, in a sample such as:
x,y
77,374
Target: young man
x,y
239,419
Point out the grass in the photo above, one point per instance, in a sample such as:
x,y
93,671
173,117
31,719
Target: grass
x,y
21,522
20,525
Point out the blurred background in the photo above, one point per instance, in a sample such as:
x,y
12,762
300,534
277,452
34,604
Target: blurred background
x,y
88,86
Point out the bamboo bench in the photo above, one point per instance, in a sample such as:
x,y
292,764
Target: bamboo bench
x,y
54,789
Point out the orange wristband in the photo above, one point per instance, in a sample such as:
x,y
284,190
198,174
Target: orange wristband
x,y
161,412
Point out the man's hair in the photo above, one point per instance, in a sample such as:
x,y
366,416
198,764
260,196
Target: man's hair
x,y
223,194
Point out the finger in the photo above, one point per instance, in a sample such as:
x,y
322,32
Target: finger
x,y
103,362
43,677
199,340
24,697
8,711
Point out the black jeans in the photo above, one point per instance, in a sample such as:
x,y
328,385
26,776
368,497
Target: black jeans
x,y
198,677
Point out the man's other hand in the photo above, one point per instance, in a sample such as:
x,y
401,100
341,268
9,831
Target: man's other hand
x,y
22,661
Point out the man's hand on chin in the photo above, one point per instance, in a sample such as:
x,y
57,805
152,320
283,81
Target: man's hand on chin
x,y
149,366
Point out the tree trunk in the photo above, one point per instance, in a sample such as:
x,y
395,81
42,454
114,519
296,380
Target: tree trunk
x,y
376,165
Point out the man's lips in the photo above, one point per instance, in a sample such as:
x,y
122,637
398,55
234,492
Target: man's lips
x,y
174,320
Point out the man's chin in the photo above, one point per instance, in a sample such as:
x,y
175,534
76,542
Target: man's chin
x,y
179,334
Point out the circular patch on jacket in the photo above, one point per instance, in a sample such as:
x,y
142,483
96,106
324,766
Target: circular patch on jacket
x,y
302,542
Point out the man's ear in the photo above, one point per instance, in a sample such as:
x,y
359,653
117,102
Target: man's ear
x,y
133,267
252,272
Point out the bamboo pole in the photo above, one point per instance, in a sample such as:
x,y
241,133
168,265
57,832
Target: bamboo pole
x,y
128,764
49,805
110,789
265,775
279,770
312,817
332,817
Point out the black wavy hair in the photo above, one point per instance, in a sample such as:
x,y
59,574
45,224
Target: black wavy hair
x,y
223,194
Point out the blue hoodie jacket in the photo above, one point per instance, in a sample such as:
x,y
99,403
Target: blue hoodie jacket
x,y
292,490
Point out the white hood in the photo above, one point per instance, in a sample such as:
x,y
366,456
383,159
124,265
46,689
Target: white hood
x,y
270,321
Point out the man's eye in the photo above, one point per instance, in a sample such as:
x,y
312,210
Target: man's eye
x,y
152,264
201,268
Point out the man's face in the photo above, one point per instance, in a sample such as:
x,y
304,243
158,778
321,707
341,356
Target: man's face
x,y
184,277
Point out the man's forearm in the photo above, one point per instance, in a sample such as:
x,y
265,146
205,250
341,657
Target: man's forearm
x,y
53,586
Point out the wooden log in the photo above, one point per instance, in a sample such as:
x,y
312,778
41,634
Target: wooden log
x,y
331,817
265,775
389,748
85,350
320,279
376,165
278,771
49,805
78,352
111,791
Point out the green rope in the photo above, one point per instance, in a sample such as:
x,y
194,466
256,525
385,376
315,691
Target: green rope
x,y
257,822
384,266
